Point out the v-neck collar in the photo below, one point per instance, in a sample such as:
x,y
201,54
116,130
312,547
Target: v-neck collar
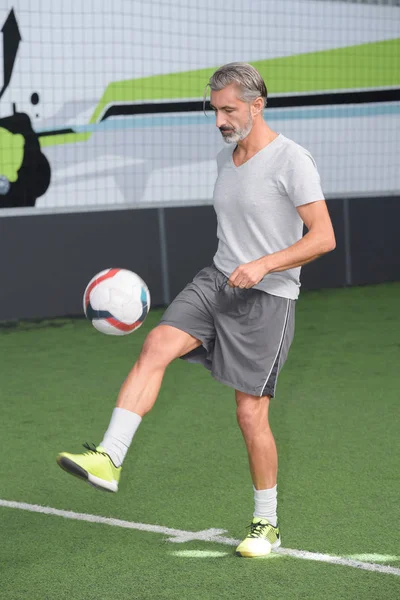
x,y
263,150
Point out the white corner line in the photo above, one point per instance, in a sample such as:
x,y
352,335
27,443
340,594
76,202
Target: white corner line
x,y
207,535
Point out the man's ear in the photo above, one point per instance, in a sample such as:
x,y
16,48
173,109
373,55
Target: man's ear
x,y
257,106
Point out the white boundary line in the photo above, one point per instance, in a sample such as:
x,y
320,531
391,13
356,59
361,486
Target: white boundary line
x,y
207,535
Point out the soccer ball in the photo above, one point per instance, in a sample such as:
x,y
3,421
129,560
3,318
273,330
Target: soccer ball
x,y
116,301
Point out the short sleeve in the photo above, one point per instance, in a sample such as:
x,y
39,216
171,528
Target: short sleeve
x,y
301,180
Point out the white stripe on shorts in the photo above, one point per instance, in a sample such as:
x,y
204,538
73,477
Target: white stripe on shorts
x,y
279,346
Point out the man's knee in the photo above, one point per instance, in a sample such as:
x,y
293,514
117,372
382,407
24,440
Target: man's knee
x,y
164,343
154,349
252,414
245,417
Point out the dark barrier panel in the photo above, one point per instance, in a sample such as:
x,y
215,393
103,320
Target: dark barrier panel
x,y
191,243
47,261
194,229
374,239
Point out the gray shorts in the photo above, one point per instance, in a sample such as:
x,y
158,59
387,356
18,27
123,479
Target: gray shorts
x,y
245,334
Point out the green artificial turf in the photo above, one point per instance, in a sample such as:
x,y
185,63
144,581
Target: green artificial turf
x,y
335,419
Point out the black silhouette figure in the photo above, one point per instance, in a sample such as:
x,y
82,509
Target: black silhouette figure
x,y
35,173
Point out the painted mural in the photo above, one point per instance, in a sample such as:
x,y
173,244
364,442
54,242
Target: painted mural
x,y
102,106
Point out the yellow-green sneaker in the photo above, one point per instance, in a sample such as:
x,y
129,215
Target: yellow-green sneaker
x,y
261,539
95,466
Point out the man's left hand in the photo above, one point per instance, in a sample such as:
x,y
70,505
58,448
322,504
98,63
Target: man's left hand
x,y
247,275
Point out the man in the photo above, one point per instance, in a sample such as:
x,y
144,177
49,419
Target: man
x,y
237,316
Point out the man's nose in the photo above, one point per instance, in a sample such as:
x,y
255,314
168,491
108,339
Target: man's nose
x,y
219,120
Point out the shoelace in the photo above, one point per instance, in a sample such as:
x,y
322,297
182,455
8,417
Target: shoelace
x,y
92,449
256,529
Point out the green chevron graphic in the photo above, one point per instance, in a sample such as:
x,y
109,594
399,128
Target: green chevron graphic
x,y
11,153
370,65
63,138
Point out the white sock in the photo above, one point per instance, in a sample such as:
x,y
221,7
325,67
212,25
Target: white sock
x,y
265,503
119,435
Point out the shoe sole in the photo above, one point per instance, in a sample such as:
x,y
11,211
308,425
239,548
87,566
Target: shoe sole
x,y
274,546
70,467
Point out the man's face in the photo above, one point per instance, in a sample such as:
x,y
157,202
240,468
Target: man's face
x,y
233,116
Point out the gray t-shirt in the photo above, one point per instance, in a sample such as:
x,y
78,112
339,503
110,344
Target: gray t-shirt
x,y
256,208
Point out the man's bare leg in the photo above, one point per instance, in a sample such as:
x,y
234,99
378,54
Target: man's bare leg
x,y
252,415
163,344
140,389
101,466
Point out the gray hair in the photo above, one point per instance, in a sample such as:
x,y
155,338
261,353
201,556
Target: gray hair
x,y
249,81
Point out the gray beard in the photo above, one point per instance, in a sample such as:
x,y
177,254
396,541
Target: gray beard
x,y
239,134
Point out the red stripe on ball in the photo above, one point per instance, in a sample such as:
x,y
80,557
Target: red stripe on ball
x,y
122,326
111,273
